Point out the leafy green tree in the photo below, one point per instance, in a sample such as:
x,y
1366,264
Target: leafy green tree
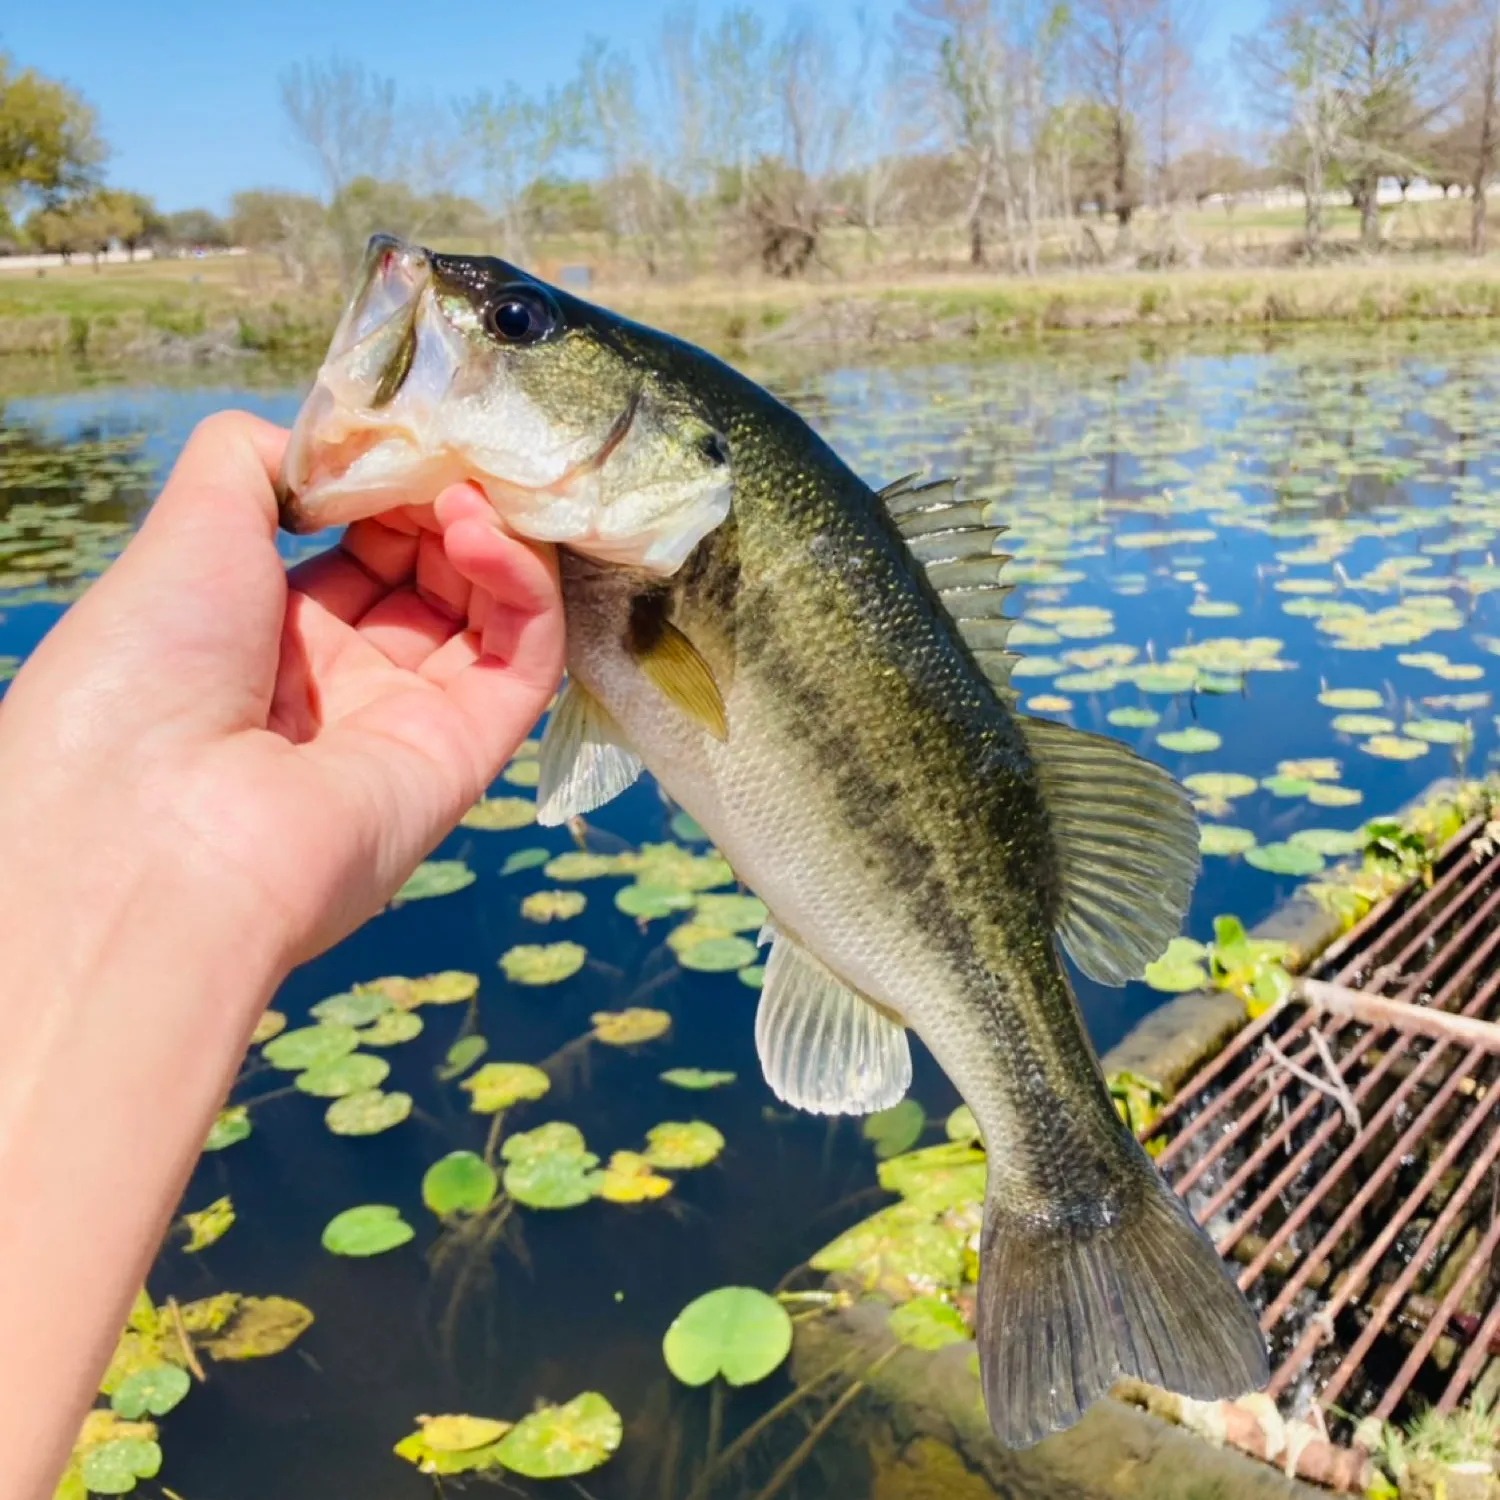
x,y
292,226
49,141
192,228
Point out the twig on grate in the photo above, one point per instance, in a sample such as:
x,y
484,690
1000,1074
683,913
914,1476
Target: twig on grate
x,y
1333,1087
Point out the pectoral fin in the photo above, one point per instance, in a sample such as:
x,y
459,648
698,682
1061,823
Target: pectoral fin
x,y
584,763
676,666
823,1046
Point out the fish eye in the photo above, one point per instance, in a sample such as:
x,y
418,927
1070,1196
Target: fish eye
x,y
520,315
713,447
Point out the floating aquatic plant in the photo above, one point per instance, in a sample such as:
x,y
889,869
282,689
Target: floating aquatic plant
x,y
736,1332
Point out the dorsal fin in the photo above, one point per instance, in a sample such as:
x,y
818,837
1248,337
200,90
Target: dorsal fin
x,y
955,544
1126,844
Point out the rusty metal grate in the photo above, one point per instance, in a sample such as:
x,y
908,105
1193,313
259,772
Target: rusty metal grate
x,y
1343,1148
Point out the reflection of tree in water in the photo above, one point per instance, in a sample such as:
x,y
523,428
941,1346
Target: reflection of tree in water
x,y
67,506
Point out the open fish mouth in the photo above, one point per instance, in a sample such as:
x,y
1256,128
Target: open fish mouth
x,y
445,368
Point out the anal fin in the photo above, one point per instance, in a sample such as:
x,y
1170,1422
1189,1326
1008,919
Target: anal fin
x,y
824,1047
583,761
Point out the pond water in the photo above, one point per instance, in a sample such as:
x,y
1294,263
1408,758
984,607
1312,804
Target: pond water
x,y
1233,558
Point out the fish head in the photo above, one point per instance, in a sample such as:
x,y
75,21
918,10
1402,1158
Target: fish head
x,y
454,367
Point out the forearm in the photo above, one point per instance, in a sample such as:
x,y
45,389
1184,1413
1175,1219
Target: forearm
x,y
120,1033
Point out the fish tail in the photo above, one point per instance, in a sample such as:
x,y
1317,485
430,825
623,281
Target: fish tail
x,y
1065,1311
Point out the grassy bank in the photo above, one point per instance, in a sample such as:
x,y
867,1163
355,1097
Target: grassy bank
x,y
176,309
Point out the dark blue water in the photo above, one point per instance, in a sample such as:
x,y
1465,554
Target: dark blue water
x,y
1318,460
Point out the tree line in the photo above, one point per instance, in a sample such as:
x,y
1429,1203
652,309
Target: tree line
x,y
1004,133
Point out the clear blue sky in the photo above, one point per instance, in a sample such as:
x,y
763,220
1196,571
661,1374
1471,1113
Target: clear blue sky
x,y
186,90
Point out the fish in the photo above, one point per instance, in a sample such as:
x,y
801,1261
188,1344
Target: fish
x,y
817,671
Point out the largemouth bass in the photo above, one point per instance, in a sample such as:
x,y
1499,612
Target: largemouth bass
x,y
817,672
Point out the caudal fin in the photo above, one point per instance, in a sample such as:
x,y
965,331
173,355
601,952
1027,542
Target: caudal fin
x,y
1064,1313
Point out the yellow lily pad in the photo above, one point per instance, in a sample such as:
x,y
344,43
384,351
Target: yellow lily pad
x,y
543,963
500,814
628,1178
553,906
498,1085
678,1146
208,1225
627,1028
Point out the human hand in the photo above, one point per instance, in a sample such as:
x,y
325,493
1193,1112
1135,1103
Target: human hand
x,y
276,758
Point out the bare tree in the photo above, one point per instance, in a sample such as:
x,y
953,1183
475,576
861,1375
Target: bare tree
x,y
955,52
1295,66
344,119
1485,112
1115,40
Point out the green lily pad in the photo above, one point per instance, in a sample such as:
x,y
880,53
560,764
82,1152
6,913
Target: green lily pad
x,y
524,859
1285,859
462,1056
434,877
928,1323
732,913
679,1146
553,906
353,1008
1350,698
543,963
896,1129
696,1078
498,1085
549,1167
579,864
370,1229
1133,718
114,1467
1179,969
1221,786
498,815
526,773
687,828
1360,724
1324,795
961,1125
462,1182
647,902
367,1112
717,955
1288,786
1224,839
1167,677
230,1126
752,975
391,1029
310,1047
155,1390
901,1249
734,1331
344,1075
938,1177
1192,741
250,1327
1394,747
559,1441
1331,843
1438,731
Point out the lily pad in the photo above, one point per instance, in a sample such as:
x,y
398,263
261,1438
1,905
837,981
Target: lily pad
x,y
499,815
553,906
1179,969
1288,786
1325,795
1224,839
628,1178
559,1441
1350,698
391,1029
434,877
735,1331
254,1327
629,1028
524,859
894,1130
717,955
648,902
1221,786
114,1467
1359,724
1133,718
548,1167
230,1126
679,1146
1394,747
1191,741
353,1074
271,1023
462,1056
358,1007
462,1182
543,963
687,828
1438,731
732,913
155,1390
450,987
525,772
961,1125
696,1078
207,1226
1331,843
928,1323
901,1249
370,1229
498,1085
310,1047
460,1434
367,1112
1285,859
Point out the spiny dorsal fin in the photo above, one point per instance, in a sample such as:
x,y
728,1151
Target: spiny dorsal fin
x,y
823,1046
583,760
955,544
1126,843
